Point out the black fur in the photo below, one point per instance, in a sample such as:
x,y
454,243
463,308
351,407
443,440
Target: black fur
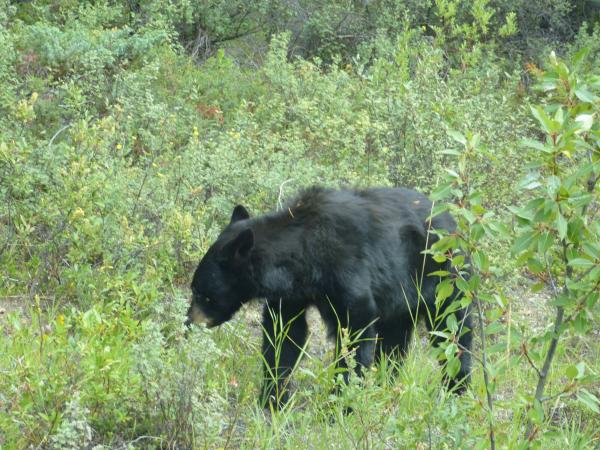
x,y
354,254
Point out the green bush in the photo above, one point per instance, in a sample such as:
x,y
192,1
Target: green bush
x,y
556,236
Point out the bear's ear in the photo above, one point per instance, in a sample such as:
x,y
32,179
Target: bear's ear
x,y
239,213
238,250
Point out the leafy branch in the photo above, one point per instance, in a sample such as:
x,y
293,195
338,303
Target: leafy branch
x,y
558,237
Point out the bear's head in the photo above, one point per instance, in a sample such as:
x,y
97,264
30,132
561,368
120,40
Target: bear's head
x,y
223,281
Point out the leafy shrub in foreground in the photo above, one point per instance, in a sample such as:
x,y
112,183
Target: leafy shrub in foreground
x,y
557,237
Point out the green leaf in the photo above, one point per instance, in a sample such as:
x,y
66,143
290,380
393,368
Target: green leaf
x,y
548,125
580,369
500,229
477,231
451,350
452,173
585,121
537,287
594,80
469,216
474,282
90,318
440,334
441,192
457,136
458,261
563,300
594,274
580,324
493,314
453,367
530,181
452,323
588,399
536,145
474,140
562,70
584,95
465,301
546,86
581,200
439,258
545,242
439,273
444,290
462,285
450,152
523,242
541,116
444,244
581,263
535,266
592,249
439,208
574,229
536,414
559,116
480,261
571,372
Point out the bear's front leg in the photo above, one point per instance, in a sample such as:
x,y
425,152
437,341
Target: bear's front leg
x,y
360,318
284,336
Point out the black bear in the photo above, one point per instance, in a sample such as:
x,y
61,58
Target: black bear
x,y
357,255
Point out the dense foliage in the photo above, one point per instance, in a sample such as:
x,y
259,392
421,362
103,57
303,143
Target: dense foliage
x,y
128,130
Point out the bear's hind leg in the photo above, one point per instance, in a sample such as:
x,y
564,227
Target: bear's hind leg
x,y
394,336
356,329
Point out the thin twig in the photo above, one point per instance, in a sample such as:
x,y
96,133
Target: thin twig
x,y
137,199
140,438
280,196
486,379
558,394
56,135
558,321
531,363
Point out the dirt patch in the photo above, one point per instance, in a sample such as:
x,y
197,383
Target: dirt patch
x,y
12,303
